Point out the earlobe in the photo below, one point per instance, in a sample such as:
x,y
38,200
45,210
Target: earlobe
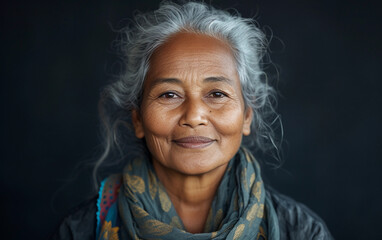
x,y
137,122
248,115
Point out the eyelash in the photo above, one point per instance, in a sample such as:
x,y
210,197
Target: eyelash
x,y
221,93
212,94
166,95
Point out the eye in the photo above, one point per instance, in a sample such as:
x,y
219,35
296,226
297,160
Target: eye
x,y
217,94
168,95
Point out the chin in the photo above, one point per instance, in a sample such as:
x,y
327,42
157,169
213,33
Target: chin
x,y
200,167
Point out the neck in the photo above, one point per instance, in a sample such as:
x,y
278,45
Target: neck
x,y
191,195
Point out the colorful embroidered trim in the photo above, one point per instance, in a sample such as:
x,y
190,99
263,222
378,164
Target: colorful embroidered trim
x,y
107,195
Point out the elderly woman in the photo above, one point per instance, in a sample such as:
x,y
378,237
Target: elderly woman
x,y
192,88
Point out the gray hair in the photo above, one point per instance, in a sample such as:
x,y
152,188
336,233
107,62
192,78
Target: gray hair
x,y
150,30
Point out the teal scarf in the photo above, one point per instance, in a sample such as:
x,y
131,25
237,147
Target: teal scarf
x,y
240,209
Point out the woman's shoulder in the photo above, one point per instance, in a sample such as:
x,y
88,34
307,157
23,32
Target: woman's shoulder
x,y
80,223
297,221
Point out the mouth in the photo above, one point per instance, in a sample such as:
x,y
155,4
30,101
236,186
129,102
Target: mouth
x,y
194,142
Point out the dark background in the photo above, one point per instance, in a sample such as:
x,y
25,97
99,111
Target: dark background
x,y
56,56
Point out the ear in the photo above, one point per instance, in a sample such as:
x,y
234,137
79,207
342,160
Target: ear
x,y
248,115
137,122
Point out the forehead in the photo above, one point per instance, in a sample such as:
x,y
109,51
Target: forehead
x,y
191,54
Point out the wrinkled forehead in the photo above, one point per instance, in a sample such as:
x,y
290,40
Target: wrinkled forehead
x,y
192,53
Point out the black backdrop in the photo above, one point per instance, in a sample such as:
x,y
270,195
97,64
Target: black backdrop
x,y
56,56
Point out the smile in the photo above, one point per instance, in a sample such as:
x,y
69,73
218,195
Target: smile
x,y
194,142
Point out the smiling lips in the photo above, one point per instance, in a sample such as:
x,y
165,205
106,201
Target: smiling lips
x,y
194,142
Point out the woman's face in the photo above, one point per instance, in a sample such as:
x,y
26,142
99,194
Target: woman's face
x,y
192,114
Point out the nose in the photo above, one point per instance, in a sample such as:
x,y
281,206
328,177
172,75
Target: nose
x,y
194,114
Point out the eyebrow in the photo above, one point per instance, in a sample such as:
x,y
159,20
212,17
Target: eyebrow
x,y
165,80
219,79
178,81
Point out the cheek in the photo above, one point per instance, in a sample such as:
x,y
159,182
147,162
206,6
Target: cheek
x,y
229,121
157,122
157,130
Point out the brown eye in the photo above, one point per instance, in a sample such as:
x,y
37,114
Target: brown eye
x,y
217,94
168,95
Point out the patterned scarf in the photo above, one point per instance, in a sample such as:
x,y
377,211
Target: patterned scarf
x,y
143,210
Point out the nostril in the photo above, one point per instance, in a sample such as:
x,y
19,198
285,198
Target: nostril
x,y
195,113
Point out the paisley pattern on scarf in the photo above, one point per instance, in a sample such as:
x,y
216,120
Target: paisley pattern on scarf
x,y
109,232
240,209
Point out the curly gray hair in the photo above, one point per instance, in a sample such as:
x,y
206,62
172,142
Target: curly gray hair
x,y
150,30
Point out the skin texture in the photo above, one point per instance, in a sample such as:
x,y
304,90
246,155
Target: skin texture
x,y
193,118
